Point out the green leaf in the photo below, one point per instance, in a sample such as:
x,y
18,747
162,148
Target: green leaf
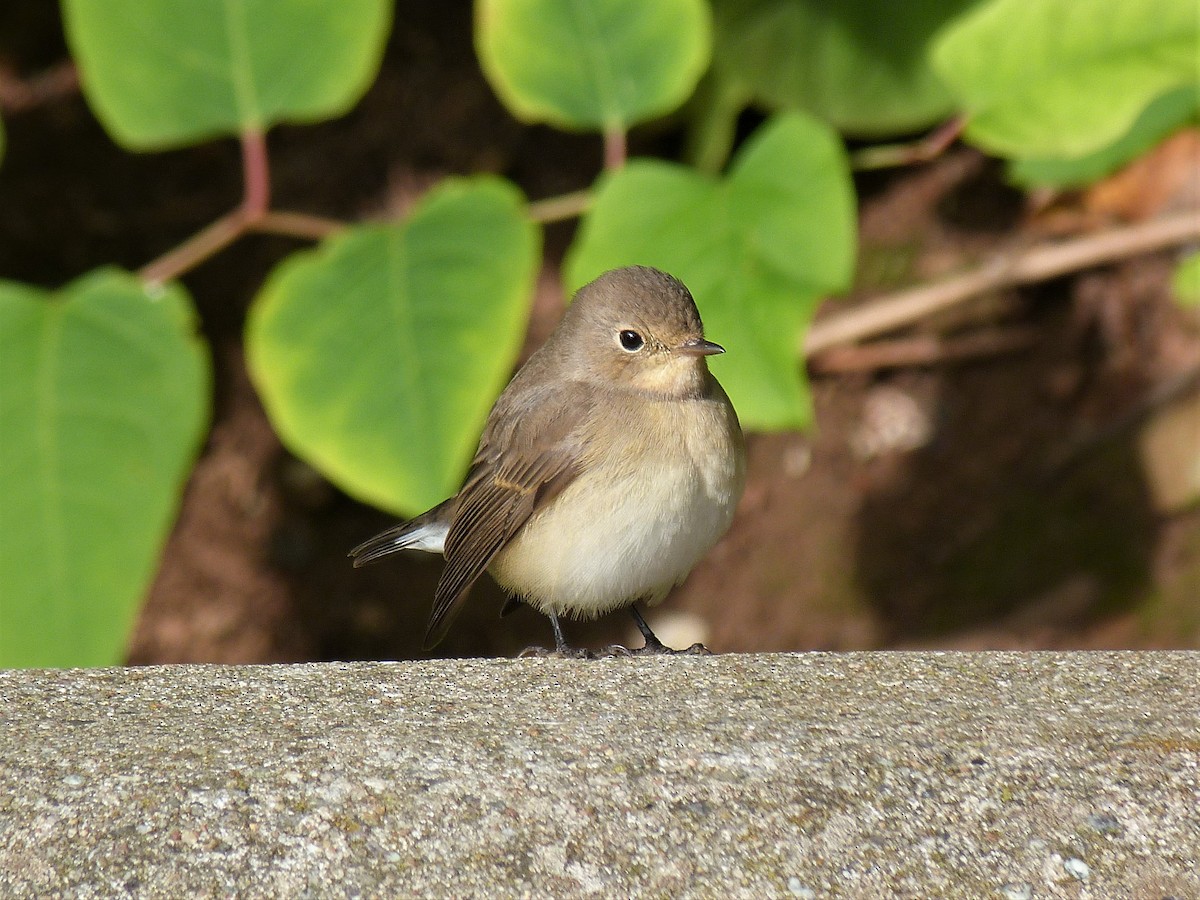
x,y
1186,282
1063,78
1163,116
592,64
758,249
861,68
104,393
166,73
379,354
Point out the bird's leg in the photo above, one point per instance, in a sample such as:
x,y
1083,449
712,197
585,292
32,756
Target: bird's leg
x,y
560,640
561,649
655,647
653,644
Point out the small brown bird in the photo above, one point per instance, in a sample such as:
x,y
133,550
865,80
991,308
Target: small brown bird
x,y
609,466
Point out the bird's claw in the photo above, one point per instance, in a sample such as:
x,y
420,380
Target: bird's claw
x,y
658,648
614,650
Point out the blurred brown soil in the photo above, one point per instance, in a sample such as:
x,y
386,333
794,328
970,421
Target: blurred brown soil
x,y
993,502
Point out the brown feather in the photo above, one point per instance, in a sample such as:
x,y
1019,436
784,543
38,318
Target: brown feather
x,y
522,464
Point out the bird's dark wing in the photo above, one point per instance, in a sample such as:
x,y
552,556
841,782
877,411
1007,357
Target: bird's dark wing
x,y
524,461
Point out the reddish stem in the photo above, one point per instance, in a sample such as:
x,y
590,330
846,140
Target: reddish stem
x,y
256,199
615,147
199,247
254,208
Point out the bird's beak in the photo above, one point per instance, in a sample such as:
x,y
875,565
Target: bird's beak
x,y
700,347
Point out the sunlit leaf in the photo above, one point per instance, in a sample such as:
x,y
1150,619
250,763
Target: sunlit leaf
x,y
758,249
1164,115
103,400
379,354
1063,78
592,64
165,73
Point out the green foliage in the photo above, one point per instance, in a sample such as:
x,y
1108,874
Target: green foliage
x,y
758,249
164,73
1186,282
1063,78
378,355
103,403
592,64
1167,113
861,68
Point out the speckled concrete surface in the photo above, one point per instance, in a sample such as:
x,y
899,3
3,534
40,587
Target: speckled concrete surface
x,y
874,775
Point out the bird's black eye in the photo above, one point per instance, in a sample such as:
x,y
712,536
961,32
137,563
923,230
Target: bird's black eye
x,y
631,340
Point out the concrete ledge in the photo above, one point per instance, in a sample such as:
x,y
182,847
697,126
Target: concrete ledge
x,y
871,775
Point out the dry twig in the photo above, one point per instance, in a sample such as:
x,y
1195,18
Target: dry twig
x,y
924,350
892,311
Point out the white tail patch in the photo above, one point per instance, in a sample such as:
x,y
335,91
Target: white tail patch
x,y
430,537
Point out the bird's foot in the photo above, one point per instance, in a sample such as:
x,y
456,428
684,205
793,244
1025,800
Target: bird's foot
x,y
561,649
658,648
613,650
655,647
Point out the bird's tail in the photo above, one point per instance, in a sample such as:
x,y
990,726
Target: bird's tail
x,y
426,532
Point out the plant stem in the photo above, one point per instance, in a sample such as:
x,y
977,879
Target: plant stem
x,y
256,176
886,156
892,311
254,208
712,125
199,247
615,147
297,225
565,206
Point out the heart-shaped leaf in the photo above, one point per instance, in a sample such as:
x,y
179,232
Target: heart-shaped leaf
x,y
758,249
164,73
379,354
103,401
1062,78
592,64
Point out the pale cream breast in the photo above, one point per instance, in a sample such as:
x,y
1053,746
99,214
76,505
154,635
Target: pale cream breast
x,y
640,517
